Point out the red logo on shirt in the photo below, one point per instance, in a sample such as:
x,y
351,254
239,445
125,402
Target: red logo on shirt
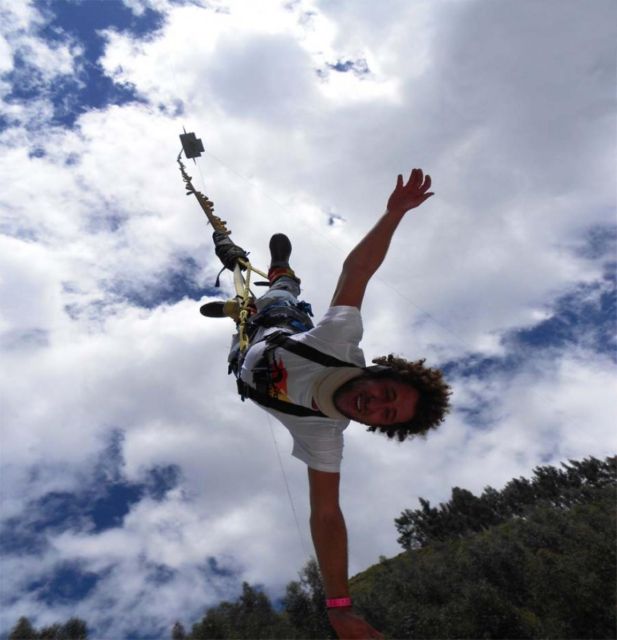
x,y
278,376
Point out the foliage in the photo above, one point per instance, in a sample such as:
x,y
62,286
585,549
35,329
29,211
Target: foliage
x,y
546,572
305,604
72,629
252,616
465,513
178,632
534,560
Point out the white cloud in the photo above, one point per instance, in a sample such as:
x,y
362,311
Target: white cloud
x,y
18,17
50,60
6,56
507,105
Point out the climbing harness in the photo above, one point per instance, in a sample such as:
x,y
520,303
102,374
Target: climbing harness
x,y
263,374
289,318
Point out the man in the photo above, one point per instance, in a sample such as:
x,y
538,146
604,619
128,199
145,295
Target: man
x,y
314,381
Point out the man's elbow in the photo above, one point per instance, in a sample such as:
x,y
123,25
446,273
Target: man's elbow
x,y
325,515
356,267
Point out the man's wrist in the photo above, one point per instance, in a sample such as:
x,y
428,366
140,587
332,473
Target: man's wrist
x,y
338,603
393,212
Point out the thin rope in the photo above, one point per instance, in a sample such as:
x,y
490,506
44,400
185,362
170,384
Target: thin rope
x,y
276,447
291,502
203,180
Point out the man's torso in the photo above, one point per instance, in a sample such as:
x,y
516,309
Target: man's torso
x,y
318,441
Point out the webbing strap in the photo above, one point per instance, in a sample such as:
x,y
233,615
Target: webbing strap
x,y
274,403
281,339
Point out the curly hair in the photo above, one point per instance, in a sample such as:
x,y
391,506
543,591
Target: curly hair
x,y
433,403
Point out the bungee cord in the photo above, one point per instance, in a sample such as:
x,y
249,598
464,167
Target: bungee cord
x,y
242,284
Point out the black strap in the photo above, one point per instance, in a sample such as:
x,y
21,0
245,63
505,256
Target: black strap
x,y
274,403
281,339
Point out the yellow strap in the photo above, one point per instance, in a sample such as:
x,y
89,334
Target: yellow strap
x,y
243,289
248,265
241,284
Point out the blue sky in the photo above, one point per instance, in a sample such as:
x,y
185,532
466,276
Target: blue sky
x,y
137,489
80,23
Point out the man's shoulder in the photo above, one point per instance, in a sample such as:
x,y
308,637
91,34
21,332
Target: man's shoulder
x,y
338,324
337,334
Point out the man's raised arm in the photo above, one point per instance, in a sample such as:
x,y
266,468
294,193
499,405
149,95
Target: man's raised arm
x,y
365,259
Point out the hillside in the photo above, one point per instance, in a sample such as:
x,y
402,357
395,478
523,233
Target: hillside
x,y
536,559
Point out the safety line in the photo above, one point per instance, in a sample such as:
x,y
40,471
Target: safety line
x,y
274,440
291,502
203,180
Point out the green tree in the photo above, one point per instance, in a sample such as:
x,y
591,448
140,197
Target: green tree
x,y
251,616
178,632
548,574
534,560
465,514
50,633
72,629
304,604
23,630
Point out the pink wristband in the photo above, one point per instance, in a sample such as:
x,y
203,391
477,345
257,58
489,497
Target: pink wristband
x,y
333,603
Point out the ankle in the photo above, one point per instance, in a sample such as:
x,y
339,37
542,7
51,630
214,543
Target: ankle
x,y
280,272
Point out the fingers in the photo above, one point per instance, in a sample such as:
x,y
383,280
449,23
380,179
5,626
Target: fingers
x,y
399,181
417,181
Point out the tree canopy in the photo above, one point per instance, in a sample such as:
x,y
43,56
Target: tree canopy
x,y
533,560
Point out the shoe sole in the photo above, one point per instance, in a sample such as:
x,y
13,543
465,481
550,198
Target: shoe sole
x,y
212,310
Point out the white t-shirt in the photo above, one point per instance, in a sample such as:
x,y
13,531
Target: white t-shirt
x,y
316,441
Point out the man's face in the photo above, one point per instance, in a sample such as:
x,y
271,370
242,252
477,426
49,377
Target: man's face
x,y
376,401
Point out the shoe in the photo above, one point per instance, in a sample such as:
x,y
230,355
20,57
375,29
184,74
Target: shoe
x,y
221,309
280,250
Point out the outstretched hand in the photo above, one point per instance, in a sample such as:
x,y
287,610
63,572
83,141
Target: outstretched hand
x,y
410,195
349,625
